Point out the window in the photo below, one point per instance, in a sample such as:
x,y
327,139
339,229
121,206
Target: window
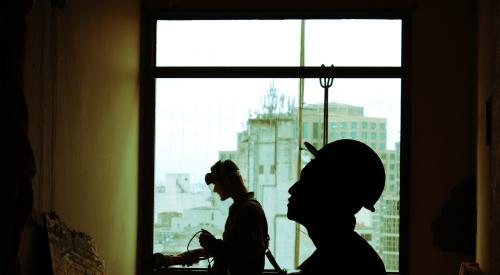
x,y
367,237
305,130
241,98
315,130
160,189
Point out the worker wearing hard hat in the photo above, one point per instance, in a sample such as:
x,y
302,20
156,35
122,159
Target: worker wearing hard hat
x,y
344,176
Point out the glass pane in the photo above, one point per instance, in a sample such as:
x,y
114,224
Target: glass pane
x,y
368,110
254,123
353,42
277,42
228,43
198,121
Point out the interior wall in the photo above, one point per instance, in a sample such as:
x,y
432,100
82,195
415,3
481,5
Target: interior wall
x,y
443,123
489,156
495,152
485,77
82,87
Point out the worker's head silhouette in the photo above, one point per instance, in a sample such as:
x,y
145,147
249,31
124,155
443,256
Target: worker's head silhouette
x,y
344,176
221,170
226,178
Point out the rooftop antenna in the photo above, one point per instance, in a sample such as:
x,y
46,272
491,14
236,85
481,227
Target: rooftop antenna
x,y
326,83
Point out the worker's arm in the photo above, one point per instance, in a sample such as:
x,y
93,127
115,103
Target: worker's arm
x,y
185,258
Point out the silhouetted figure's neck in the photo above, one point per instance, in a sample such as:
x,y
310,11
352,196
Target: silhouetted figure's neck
x,y
239,192
322,233
243,196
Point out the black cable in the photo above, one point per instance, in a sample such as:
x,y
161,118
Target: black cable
x,y
187,248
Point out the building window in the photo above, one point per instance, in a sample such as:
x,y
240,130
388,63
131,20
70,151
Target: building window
x,y
315,130
239,98
305,130
367,237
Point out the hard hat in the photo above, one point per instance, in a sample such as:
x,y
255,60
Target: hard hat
x,y
352,163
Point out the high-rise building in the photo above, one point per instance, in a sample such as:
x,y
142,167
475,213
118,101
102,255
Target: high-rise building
x,y
386,216
267,156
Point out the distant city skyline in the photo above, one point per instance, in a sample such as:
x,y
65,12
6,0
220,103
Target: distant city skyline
x,y
266,153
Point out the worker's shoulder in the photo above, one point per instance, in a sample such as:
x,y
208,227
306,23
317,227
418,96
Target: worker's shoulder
x,y
251,206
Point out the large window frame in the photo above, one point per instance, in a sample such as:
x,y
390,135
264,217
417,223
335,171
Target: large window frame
x,y
149,72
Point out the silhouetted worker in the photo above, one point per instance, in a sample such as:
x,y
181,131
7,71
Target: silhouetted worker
x,y
241,251
344,176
